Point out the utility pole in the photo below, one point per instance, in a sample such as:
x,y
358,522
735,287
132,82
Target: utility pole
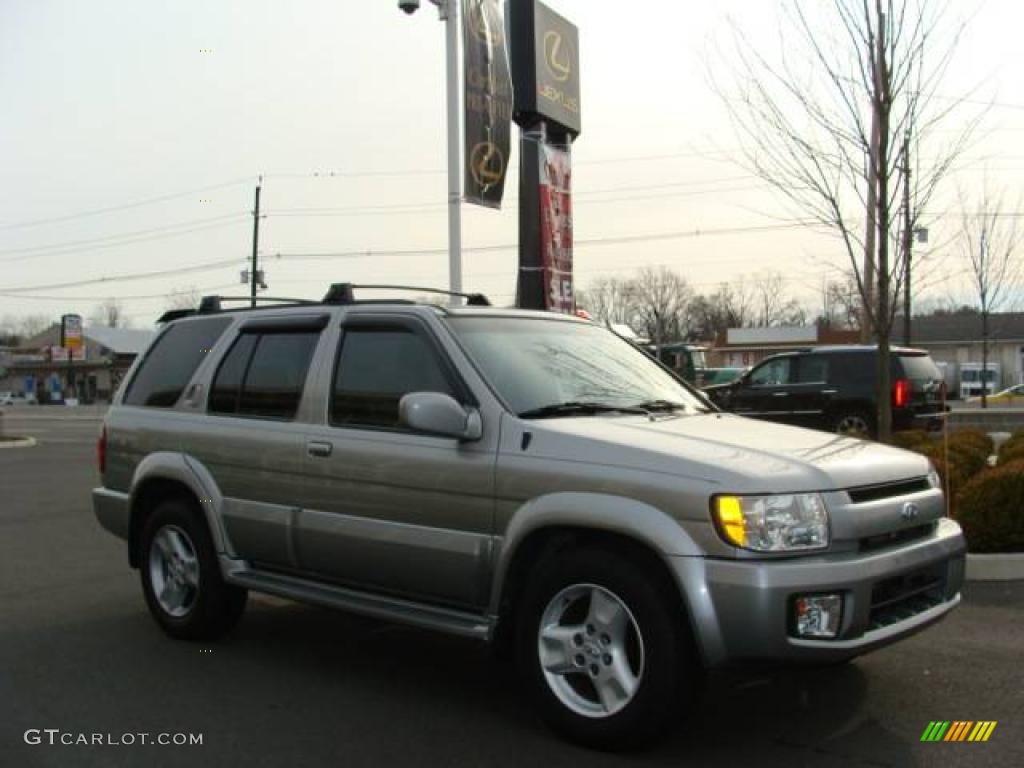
x,y
907,238
253,275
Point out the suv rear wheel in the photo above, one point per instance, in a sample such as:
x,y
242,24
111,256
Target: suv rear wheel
x,y
854,423
600,649
181,579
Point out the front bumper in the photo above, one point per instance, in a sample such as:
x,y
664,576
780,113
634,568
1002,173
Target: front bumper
x,y
113,510
741,610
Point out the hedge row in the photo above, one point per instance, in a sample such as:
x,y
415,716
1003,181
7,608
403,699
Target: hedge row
x,y
991,509
987,502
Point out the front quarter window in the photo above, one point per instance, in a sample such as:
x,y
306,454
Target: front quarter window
x,y
535,363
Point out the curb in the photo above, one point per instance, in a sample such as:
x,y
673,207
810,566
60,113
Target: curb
x,y
18,442
999,567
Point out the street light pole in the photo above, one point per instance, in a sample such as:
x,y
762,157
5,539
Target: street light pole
x,y
448,10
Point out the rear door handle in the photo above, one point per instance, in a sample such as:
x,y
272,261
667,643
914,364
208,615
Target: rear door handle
x,y
319,449
829,391
780,394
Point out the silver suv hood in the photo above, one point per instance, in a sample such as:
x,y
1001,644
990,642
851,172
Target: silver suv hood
x,y
735,453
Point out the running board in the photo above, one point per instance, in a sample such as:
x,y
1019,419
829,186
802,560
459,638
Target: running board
x,y
376,606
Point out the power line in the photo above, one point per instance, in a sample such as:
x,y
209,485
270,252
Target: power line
x,y
333,174
602,241
137,297
598,241
580,199
123,238
204,267
122,207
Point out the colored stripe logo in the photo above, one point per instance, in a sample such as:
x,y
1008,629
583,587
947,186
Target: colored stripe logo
x,y
958,730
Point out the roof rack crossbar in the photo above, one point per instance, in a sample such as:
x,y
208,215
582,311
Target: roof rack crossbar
x,y
343,293
211,304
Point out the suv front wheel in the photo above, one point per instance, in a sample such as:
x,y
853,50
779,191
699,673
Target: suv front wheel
x,y
181,579
601,649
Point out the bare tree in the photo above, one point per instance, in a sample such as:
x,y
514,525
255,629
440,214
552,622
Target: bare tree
x,y
828,120
109,313
771,307
842,303
183,298
30,325
609,299
989,243
661,297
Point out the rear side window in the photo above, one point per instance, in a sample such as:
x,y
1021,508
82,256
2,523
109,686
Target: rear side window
x,y
813,369
263,375
377,366
920,367
171,361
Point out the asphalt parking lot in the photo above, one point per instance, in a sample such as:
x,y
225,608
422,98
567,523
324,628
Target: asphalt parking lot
x,y
297,685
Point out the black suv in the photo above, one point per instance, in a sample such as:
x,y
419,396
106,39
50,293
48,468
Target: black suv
x,y
833,388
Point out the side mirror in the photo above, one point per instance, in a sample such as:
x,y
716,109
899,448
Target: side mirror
x,y
439,414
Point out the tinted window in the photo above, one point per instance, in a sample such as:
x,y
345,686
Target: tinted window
x,y
923,367
171,361
263,375
772,373
376,368
227,385
813,369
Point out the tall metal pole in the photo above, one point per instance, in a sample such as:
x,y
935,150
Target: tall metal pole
x,y
450,16
255,244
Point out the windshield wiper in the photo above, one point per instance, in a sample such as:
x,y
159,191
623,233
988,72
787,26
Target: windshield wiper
x,y
661,405
577,408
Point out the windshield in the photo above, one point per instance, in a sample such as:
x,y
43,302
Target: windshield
x,y
537,363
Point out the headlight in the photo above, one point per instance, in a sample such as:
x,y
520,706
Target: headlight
x,y
934,480
777,523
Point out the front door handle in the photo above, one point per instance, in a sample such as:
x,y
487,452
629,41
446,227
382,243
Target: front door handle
x,y
319,449
780,394
829,391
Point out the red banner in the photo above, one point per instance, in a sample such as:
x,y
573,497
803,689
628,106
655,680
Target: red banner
x,y
556,227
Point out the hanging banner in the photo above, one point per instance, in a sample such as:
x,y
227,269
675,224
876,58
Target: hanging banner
x,y
487,100
556,227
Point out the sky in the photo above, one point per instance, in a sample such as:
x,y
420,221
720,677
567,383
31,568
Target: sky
x,y
133,133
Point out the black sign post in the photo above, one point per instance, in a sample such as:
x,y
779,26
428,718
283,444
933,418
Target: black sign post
x,y
544,53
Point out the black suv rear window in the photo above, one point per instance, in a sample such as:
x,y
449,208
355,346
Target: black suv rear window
x,y
171,361
919,367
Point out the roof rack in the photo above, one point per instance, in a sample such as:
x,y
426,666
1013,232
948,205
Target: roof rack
x,y
339,293
343,293
174,314
211,304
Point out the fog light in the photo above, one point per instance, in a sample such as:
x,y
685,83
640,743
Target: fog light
x,y
817,615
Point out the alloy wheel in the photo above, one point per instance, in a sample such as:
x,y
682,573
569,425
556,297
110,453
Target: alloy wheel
x,y
591,650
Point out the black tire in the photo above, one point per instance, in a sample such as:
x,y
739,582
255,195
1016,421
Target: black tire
x,y
212,607
843,423
668,656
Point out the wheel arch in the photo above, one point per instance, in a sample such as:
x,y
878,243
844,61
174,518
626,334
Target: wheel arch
x,y
543,527
166,475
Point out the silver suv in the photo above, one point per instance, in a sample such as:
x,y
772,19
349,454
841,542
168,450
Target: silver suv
x,y
519,477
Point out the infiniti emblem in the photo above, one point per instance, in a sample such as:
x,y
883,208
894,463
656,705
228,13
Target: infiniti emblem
x,y
909,511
